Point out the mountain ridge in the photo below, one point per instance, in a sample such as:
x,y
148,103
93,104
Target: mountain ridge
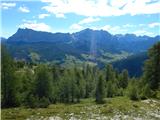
x,y
28,31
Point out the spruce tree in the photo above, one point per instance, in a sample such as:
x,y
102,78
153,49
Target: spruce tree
x,y
123,80
132,89
78,84
100,90
55,84
152,67
65,87
111,83
43,82
9,84
42,86
25,78
110,74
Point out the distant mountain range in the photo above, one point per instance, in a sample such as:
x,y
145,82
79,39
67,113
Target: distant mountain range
x,y
93,46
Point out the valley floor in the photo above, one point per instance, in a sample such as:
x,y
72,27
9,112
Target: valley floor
x,y
118,108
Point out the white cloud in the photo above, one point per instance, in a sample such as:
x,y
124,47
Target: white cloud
x,y
60,15
109,28
156,24
95,8
35,26
122,30
7,5
143,32
76,27
128,26
24,9
113,29
118,3
142,25
135,7
42,16
106,27
89,20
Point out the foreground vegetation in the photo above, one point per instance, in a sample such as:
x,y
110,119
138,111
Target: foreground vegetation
x,y
114,108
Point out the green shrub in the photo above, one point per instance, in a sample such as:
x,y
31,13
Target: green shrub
x,y
133,93
158,94
111,89
32,101
146,92
43,102
35,102
120,92
132,90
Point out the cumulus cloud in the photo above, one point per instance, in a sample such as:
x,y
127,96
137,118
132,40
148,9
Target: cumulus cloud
x,y
103,8
123,30
42,16
89,20
35,26
129,26
113,29
60,15
76,27
141,7
156,24
7,5
79,25
143,32
106,27
24,9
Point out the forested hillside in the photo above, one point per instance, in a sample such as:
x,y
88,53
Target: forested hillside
x,y
134,64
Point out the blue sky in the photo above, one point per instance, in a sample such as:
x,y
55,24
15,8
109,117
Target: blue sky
x,y
140,17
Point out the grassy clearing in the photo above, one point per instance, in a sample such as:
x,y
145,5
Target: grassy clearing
x,y
115,108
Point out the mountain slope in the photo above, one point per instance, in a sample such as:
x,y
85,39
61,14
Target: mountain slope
x,y
30,36
87,41
134,64
3,39
96,46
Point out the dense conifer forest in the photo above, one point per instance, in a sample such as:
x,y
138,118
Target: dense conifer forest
x,y
38,85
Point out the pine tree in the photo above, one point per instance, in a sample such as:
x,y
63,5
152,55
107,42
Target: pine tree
x,y
65,87
78,84
111,83
43,82
9,82
55,84
89,81
152,67
132,89
25,78
100,90
123,79
110,74
43,85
